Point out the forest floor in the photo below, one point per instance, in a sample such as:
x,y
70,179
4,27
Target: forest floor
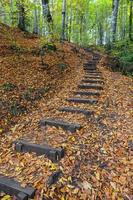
x,y
98,159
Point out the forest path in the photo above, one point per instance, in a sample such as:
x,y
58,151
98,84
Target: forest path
x,y
97,160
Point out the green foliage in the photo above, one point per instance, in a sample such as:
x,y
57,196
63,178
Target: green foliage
x,y
63,66
88,22
122,50
49,47
17,109
33,94
8,87
16,47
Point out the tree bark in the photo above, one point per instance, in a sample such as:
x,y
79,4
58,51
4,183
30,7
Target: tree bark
x,y
35,28
46,10
81,28
131,20
63,19
21,23
101,33
114,18
70,22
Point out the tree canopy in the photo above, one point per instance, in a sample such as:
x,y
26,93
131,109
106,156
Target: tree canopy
x,y
85,22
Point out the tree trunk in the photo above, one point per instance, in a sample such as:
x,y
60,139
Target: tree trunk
x,y
131,20
81,28
21,23
63,19
70,23
35,28
11,10
101,32
114,18
123,20
46,10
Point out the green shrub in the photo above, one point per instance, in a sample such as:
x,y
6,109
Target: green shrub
x,y
63,66
17,109
33,94
49,47
16,47
123,51
8,86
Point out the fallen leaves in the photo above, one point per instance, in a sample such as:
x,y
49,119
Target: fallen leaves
x,y
97,162
86,185
7,197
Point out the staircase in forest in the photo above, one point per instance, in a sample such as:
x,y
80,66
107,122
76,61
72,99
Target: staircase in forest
x,y
92,80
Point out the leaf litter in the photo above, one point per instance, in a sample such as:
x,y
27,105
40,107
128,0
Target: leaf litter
x,y
98,158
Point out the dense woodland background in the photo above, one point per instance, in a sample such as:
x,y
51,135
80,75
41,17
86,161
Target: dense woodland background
x,y
88,22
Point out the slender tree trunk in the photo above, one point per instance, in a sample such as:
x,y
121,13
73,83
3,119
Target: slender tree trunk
x,y
21,23
67,27
114,18
100,30
131,20
47,15
46,10
70,23
11,10
124,20
81,28
63,19
35,28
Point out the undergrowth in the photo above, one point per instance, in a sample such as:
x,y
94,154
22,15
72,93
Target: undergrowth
x,y
123,52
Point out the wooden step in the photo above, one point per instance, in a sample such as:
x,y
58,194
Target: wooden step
x,y
76,110
14,188
81,100
87,93
93,76
90,64
54,154
96,56
72,127
92,81
89,86
92,71
90,68
95,59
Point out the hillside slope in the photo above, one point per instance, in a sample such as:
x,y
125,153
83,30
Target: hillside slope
x,y
24,80
97,164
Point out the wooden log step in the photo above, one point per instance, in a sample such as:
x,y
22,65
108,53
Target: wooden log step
x,y
92,81
76,110
90,64
90,68
93,76
80,100
13,188
72,127
96,55
54,154
92,71
87,93
89,86
95,59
